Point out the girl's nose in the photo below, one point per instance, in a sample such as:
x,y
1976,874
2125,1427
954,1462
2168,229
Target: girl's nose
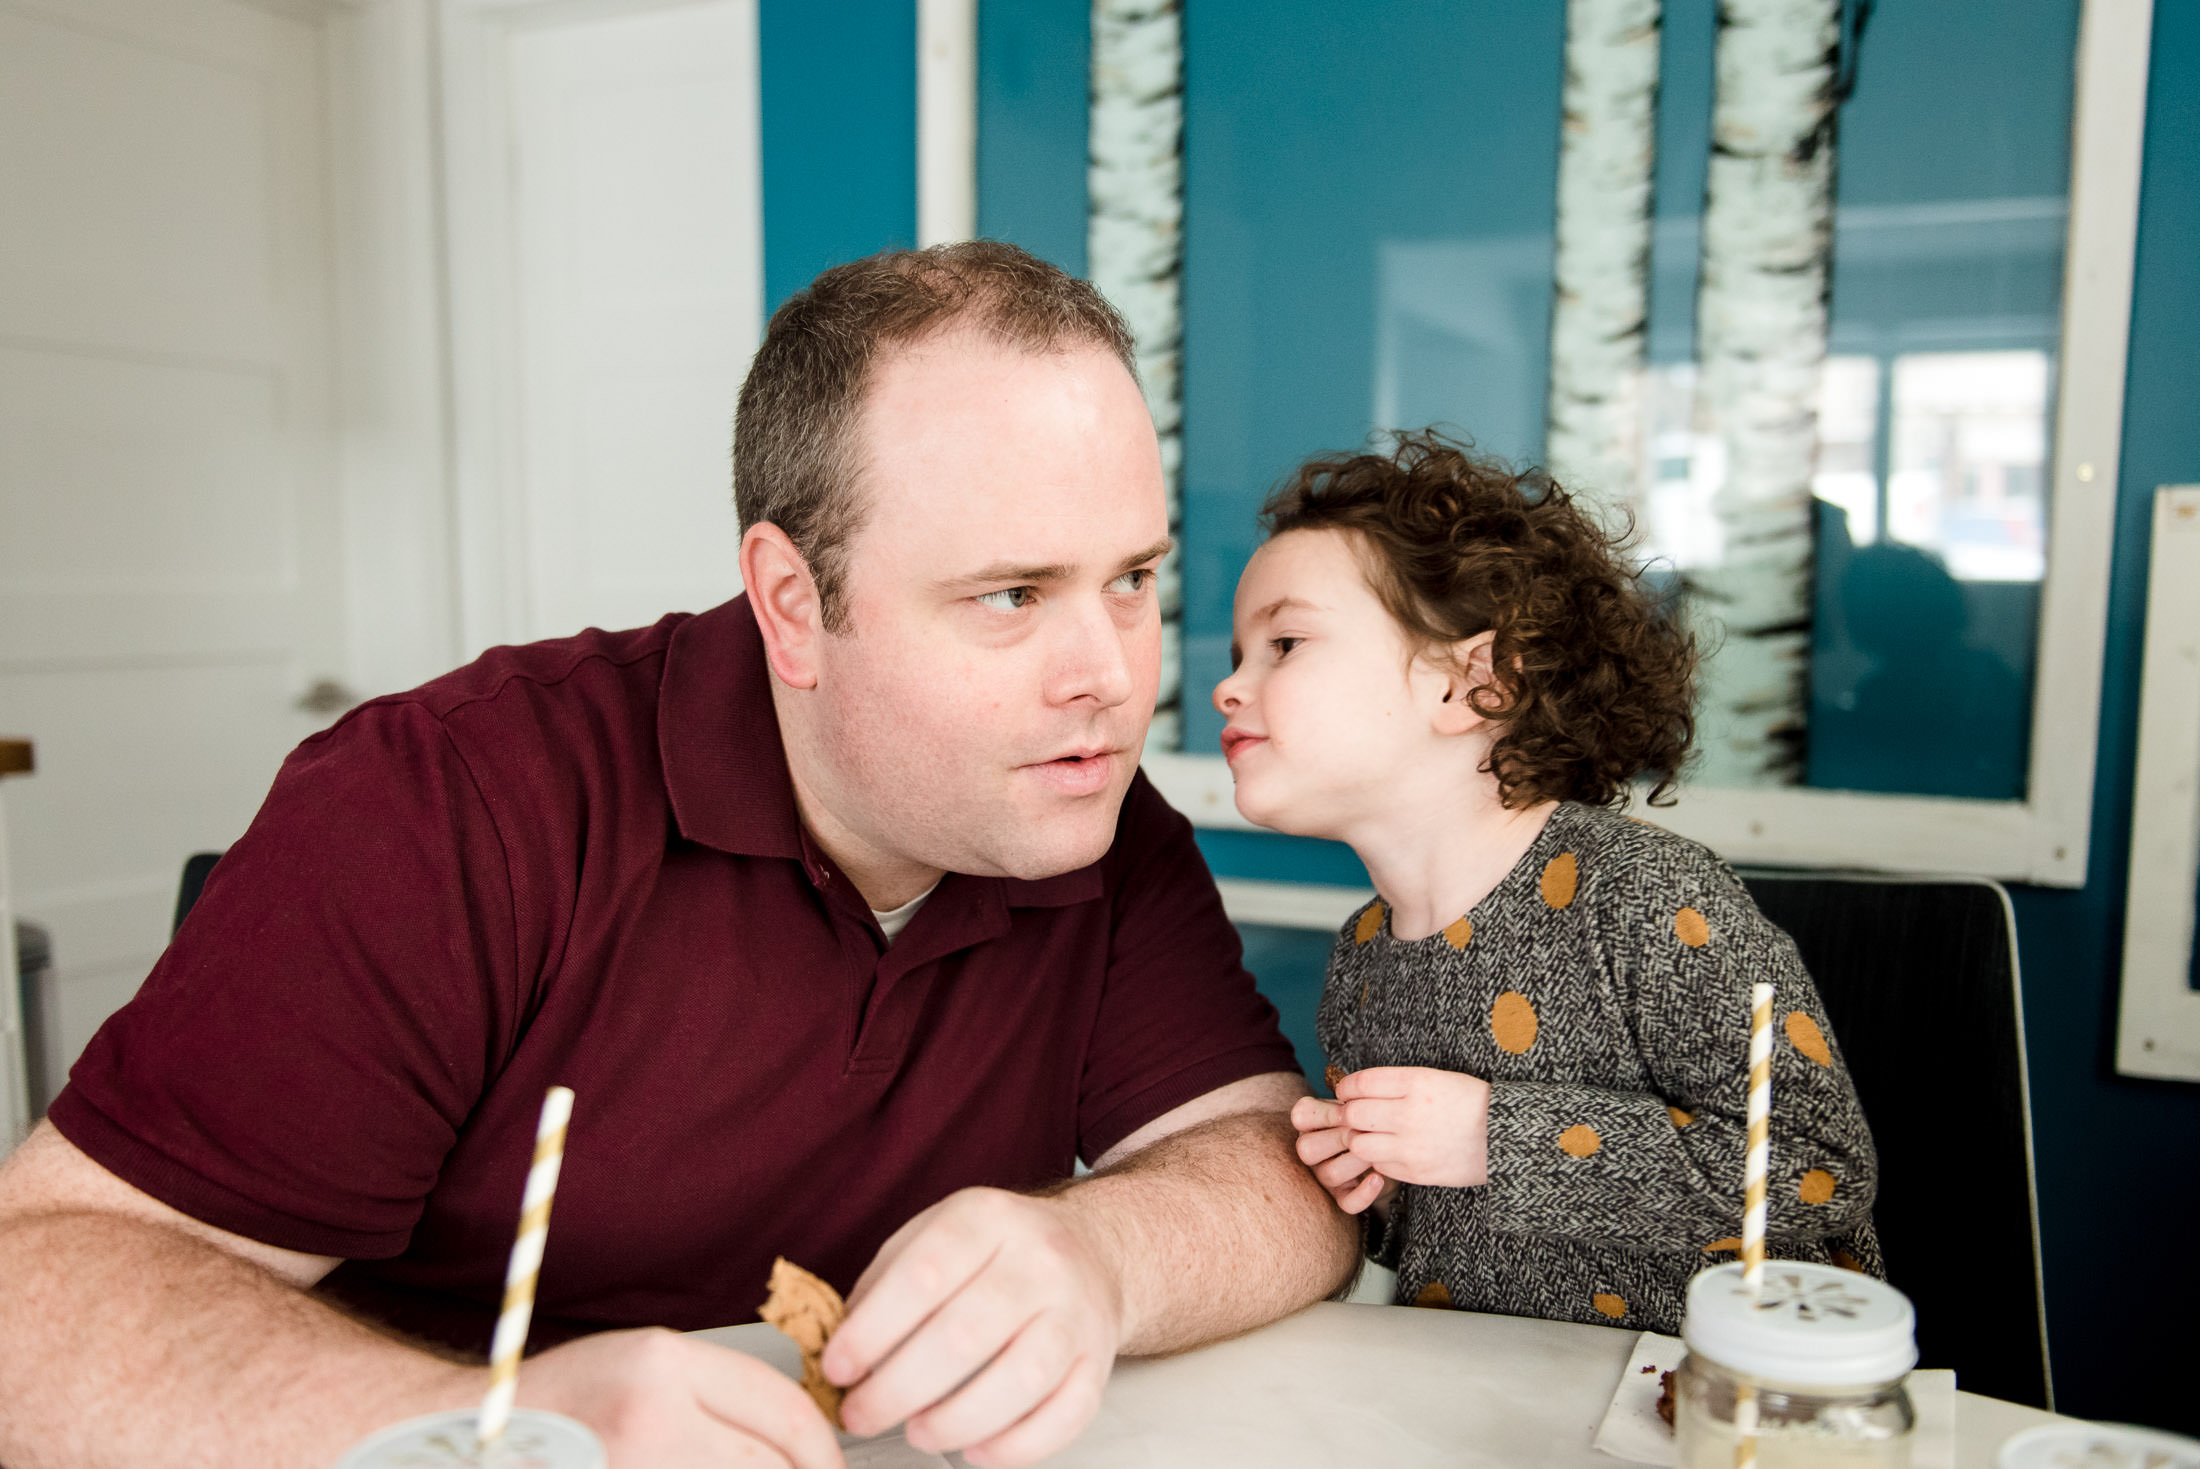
x,y
1228,698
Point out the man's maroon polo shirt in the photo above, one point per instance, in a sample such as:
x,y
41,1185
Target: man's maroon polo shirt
x,y
579,862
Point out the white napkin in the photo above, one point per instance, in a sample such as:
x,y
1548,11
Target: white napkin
x,y
1933,1394
1632,1429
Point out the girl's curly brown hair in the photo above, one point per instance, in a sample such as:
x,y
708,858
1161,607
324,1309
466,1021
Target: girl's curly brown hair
x,y
1597,683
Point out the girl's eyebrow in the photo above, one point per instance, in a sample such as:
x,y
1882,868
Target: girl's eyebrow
x,y
1295,604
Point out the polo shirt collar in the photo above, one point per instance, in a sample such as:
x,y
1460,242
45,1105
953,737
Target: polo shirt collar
x,y
726,769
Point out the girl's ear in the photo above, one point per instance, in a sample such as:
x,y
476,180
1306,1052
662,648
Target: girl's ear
x,y
1469,670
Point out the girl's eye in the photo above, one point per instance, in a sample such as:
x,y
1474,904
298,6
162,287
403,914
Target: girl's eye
x,y
1283,646
1136,581
1009,599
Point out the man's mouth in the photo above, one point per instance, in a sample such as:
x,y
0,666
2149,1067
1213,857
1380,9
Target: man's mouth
x,y
1078,772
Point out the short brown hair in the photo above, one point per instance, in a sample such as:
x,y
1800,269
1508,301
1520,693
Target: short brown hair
x,y
1597,679
795,457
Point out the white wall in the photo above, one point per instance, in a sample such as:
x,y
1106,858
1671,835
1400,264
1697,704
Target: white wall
x,y
337,341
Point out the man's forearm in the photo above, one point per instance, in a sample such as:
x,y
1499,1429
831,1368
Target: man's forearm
x,y
1214,1230
124,1343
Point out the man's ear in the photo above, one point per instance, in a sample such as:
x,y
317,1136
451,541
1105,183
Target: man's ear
x,y
1468,669
783,595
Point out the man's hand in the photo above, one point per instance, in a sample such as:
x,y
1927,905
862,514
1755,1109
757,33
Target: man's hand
x,y
989,1323
664,1401
1412,1124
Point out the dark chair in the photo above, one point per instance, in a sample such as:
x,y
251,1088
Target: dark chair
x,y
195,869
1920,979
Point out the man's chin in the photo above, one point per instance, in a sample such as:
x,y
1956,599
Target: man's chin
x,y
1040,857
1047,843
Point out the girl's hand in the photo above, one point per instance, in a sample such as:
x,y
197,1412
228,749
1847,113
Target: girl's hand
x,y
1325,1146
1412,1123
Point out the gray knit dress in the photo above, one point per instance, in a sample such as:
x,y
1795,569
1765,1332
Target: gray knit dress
x,y
1603,990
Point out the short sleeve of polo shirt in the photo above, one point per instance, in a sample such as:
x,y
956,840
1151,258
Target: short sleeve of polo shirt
x,y
1179,1015
297,1066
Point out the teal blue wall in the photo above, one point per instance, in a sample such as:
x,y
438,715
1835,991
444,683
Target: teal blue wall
x,y
840,135
2119,1161
1031,126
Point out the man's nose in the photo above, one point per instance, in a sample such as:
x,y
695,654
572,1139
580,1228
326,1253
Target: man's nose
x,y
1093,660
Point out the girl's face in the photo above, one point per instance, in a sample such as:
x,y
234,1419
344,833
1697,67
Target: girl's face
x,y
1328,709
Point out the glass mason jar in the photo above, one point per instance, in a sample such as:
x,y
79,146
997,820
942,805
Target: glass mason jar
x,y
532,1439
1819,1354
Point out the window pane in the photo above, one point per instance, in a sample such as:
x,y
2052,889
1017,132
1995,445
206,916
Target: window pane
x,y
1968,476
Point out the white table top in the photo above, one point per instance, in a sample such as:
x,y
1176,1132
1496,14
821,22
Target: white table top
x,y
1377,1385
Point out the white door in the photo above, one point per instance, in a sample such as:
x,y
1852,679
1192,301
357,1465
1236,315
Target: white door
x,y
169,568
607,293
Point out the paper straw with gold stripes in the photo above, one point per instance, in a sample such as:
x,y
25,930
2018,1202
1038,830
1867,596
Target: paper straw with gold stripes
x,y
1759,1160
519,1275
1756,1165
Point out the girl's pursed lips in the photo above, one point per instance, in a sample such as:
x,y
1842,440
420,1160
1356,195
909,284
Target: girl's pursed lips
x,y
1235,740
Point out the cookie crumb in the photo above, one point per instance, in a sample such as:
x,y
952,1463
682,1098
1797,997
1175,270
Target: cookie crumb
x,y
807,1311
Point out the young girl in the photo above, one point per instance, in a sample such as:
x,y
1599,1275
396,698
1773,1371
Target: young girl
x,y
1538,1031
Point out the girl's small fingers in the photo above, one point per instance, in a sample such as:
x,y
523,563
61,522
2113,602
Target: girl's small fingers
x,y
1339,1171
1314,1147
1379,1150
1379,1114
1311,1114
1377,1081
1363,1193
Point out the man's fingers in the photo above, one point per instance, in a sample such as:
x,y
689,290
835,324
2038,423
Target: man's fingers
x,y
945,1350
1376,1081
1049,1428
1009,1389
748,1395
929,1271
1313,1147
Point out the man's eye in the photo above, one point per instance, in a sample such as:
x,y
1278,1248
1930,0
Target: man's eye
x,y
1136,581
1009,599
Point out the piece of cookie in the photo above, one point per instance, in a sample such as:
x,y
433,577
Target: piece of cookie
x,y
1665,1397
808,1312
1333,1075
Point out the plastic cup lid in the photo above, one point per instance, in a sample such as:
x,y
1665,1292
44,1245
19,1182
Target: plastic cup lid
x,y
1812,1325
532,1440
2097,1446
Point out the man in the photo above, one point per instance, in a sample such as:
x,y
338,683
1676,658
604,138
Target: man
x,y
676,869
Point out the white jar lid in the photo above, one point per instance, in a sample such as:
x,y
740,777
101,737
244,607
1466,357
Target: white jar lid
x,y
1811,1325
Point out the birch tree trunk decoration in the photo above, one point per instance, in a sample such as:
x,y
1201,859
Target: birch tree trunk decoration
x,y
1760,345
1134,248
1607,155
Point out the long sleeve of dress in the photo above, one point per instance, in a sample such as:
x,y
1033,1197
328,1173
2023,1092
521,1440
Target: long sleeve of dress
x,y
1662,1167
